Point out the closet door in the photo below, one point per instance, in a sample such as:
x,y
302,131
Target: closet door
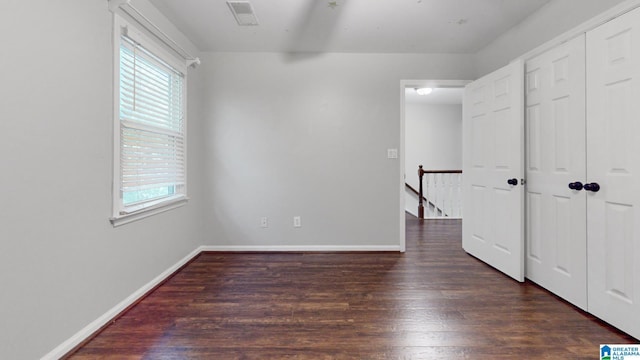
x,y
613,153
493,164
556,250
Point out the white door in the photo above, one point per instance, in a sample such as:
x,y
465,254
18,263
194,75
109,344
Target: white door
x,y
613,152
493,120
556,251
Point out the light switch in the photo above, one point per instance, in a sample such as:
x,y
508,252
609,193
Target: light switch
x,y
392,153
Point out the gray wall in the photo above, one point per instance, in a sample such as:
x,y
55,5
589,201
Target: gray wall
x,y
553,19
308,136
62,264
433,138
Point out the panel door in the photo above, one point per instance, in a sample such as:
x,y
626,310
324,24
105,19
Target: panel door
x,y
556,240
493,146
613,162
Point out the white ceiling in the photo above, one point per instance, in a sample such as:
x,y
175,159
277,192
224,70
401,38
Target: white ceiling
x,y
439,96
360,26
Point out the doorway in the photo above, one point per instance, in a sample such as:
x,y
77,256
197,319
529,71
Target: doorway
x,y
431,136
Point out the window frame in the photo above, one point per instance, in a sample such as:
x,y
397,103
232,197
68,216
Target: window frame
x,y
123,214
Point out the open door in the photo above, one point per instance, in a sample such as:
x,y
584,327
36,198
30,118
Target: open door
x,y
493,168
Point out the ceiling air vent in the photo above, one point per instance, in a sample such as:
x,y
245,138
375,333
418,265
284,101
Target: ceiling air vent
x,y
243,12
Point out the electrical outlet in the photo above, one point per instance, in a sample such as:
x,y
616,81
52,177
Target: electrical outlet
x,y
392,153
297,222
264,222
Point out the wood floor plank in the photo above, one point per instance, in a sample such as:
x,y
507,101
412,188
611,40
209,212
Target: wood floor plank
x,y
432,302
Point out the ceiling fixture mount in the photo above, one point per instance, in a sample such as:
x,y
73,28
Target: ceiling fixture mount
x,y
424,91
243,12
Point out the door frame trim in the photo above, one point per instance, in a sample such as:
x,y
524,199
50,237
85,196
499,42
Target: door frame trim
x,y
410,84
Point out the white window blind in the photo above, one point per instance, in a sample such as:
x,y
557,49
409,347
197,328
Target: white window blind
x,y
152,128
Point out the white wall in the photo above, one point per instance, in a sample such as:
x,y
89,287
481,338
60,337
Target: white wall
x,y
62,264
308,136
433,138
553,19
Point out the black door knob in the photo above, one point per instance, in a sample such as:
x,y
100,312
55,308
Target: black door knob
x,y
575,185
513,181
592,187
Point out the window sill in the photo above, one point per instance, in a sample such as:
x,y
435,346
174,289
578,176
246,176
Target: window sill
x,y
149,210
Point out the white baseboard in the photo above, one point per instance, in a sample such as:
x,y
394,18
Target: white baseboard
x,y
94,326
300,248
412,212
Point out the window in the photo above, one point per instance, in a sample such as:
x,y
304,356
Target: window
x,y
150,127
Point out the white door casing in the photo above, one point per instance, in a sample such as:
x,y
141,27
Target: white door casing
x,y
613,147
556,246
493,146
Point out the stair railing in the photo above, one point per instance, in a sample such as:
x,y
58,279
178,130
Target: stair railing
x,y
443,194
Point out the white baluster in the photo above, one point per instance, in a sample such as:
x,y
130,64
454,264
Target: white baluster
x,y
435,195
427,185
459,195
450,193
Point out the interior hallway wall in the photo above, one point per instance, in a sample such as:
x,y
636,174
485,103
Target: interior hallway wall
x,y
433,138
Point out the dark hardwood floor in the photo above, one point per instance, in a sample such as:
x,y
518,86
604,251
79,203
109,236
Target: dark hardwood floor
x,y
433,302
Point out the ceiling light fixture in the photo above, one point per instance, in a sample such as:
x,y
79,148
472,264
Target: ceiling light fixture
x,y
424,91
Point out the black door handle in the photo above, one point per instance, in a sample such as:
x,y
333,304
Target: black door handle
x,y
575,185
592,187
513,181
